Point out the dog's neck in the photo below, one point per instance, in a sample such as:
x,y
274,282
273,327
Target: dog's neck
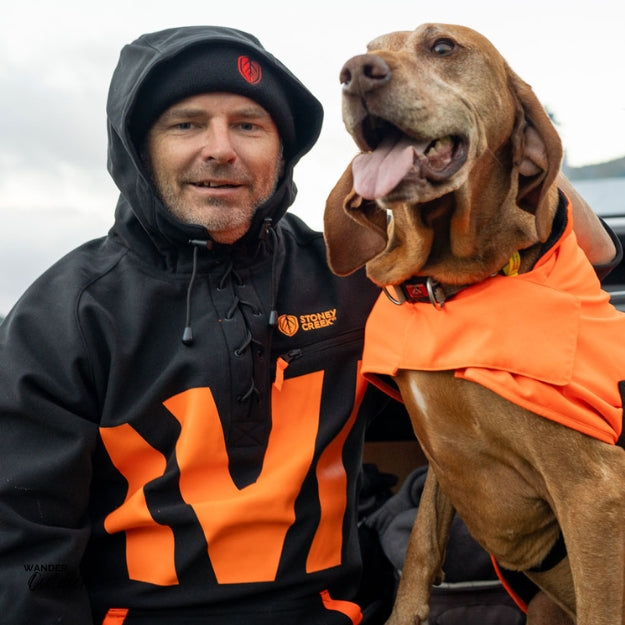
x,y
428,289
424,289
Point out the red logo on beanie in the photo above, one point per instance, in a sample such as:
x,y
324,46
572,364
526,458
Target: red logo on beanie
x,y
250,70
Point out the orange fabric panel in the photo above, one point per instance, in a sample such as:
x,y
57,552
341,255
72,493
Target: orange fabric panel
x,y
327,545
115,616
245,529
548,340
149,545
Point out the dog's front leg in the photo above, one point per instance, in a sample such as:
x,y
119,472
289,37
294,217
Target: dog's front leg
x,y
424,556
591,513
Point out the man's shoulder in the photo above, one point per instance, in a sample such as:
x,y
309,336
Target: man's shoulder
x,y
87,262
72,273
296,228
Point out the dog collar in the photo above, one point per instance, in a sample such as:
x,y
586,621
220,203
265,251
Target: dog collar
x,y
418,289
425,289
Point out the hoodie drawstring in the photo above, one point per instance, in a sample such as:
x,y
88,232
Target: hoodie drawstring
x,y
272,321
187,334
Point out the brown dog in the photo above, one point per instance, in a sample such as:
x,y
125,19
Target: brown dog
x,y
460,154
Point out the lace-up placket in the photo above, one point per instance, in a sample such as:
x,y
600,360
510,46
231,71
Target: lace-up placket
x,y
245,329
240,308
244,298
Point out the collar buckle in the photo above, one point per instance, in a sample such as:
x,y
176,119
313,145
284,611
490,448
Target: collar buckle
x,y
418,289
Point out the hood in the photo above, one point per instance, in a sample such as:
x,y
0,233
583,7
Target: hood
x,y
137,63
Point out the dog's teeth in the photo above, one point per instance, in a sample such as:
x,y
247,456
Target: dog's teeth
x,y
432,146
439,153
438,144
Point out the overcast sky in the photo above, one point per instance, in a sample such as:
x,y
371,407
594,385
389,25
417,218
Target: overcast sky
x,y
57,57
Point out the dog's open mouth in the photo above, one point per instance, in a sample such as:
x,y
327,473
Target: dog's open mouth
x,y
394,155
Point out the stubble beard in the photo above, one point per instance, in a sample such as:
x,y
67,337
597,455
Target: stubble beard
x,y
215,214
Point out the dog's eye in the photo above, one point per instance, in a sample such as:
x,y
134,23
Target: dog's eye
x,y
442,47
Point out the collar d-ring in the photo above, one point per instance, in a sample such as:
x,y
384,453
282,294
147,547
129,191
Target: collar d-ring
x,y
417,290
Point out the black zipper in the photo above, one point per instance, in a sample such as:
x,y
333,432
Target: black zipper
x,y
320,346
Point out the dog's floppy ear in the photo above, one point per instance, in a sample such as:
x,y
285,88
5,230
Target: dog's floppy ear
x,y
537,155
354,228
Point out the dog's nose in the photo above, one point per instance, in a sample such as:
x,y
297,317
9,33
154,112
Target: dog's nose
x,y
364,73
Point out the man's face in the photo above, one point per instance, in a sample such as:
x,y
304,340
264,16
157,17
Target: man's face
x,y
215,158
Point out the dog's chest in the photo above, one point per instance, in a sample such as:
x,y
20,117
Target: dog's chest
x,y
445,413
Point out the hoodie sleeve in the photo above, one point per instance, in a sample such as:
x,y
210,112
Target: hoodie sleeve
x,y
46,443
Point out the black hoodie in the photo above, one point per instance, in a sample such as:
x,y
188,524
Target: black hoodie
x,y
210,481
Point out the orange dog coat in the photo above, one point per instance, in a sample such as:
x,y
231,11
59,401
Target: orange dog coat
x,y
548,340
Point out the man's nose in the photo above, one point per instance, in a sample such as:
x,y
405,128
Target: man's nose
x,y
217,143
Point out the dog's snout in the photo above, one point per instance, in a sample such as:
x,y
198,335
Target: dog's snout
x,y
364,73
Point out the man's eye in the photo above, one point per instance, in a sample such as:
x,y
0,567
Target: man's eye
x,y
183,126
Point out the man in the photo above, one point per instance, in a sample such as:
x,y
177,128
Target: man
x,y
181,411
179,406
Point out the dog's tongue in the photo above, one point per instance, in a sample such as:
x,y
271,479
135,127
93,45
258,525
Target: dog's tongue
x,y
377,173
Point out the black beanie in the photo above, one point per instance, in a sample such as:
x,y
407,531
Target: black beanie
x,y
214,67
